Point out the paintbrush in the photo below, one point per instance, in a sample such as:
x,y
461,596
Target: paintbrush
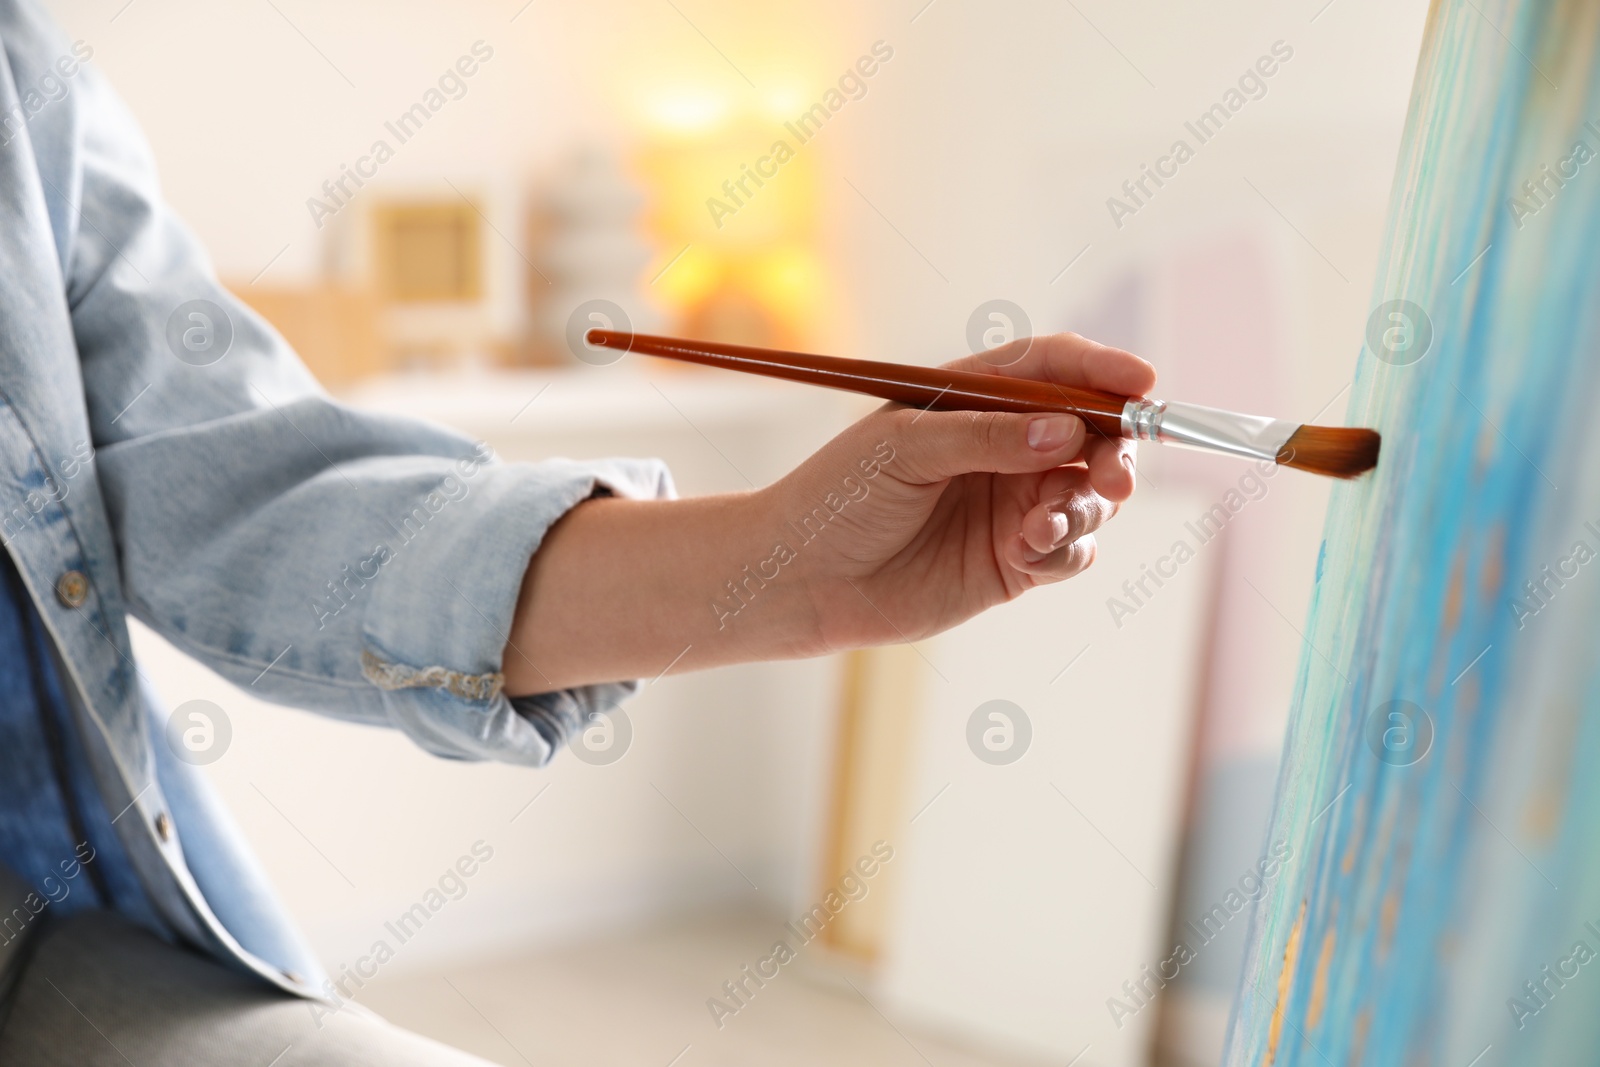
x,y
1336,451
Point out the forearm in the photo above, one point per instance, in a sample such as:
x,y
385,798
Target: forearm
x,y
904,525
624,588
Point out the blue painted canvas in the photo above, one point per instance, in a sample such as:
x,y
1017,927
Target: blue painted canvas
x,y
1438,787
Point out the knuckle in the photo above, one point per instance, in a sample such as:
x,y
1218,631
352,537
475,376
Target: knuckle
x,y
1085,514
1080,556
901,424
992,431
1078,523
900,420
1104,511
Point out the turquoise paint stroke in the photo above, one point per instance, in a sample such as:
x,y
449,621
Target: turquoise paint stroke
x,y
1446,902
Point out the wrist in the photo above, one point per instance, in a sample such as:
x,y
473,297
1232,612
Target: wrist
x,y
760,602
628,588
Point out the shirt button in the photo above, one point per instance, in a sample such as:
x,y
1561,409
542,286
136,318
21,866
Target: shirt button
x,y
164,827
72,589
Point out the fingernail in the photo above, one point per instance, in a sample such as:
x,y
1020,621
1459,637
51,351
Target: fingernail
x,y
1060,527
1030,556
1127,463
1051,432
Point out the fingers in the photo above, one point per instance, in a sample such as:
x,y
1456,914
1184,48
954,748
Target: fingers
x,y
1057,538
1066,359
1070,559
1111,466
1062,516
931,446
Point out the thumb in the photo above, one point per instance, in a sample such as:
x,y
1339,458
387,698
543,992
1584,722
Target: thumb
x,y
935,445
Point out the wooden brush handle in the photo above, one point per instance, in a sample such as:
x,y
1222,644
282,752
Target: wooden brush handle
x,y
922,387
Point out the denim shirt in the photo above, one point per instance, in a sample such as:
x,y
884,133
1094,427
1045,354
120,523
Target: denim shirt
x,y
56,834
164,454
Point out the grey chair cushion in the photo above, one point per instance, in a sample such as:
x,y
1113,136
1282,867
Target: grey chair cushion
x,y
94,990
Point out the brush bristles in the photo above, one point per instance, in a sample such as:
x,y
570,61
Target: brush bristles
x,y
1337,451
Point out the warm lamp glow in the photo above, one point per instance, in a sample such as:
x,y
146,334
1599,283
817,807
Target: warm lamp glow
x,y
789,280
781,105
732,182
690,280
688,112
686,173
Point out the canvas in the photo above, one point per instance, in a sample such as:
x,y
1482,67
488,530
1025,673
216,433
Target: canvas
x,y
1442,900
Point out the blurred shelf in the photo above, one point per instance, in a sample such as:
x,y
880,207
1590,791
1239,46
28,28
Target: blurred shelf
x,y
495,402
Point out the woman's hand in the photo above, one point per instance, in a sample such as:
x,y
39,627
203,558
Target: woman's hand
x,y
904,525
928,517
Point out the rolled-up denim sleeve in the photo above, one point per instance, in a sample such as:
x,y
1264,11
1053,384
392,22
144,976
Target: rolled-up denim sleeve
x,y
359,565
450,602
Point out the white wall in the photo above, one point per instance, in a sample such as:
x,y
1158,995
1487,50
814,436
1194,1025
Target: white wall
x,y
1031,891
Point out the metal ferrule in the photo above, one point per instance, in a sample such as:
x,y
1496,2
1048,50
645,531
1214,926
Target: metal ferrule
x,y
1207,429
